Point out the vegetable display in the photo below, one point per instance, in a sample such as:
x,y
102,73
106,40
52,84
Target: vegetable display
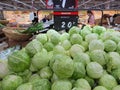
x,y
87,59
32,29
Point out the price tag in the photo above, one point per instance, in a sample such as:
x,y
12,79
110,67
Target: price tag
x,y
65,4
65,20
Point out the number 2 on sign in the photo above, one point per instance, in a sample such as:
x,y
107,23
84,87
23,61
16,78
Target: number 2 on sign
x,y
63,24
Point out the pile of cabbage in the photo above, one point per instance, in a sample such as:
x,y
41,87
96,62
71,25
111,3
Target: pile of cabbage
x,y
87,59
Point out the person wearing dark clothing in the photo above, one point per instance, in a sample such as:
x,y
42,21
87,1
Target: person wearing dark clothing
x,y
35,20
66,4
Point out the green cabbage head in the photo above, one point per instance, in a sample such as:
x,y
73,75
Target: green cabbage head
x,y
74,30
76,39
85,31
59,49
48,46
42,38
63,67
82,57
116,73
66,44
96,45
79,71
90,81
114,61
99,56
40,59
94,70
41,84
34,77
82,83
11,82
118,48
33,47
64,36
116,88
19,61
90,37
100,88
4,70
99,29
108,81
62,85
53,36
26,86
75,49
110,46
45,73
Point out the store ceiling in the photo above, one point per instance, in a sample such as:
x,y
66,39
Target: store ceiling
x,y
41,4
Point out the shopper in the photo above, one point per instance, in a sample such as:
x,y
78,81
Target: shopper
x,y
91,19
35,20
114,17
44,19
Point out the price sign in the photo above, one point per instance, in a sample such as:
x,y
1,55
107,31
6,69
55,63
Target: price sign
x,y
65,4
49,4
65,20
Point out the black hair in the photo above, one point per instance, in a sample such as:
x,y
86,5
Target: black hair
x,y
115,15
35,14
89,11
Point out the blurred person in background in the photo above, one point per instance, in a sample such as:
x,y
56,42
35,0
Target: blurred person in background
x,y
91,18
35,20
